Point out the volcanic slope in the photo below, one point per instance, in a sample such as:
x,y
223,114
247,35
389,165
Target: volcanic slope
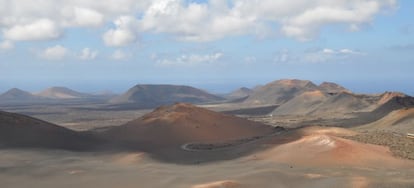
x,y
280,91
61,93
344,103
393,103
178,124
18,130
150,96
401,121
302,104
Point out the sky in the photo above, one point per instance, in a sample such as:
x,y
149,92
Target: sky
x,y
217,45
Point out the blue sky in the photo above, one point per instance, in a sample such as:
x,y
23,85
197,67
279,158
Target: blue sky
x,y
365,45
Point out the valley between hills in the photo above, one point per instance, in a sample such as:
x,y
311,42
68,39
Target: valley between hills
x,y
286,133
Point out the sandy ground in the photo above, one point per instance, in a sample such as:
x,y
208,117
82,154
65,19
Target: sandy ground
x,y
65,169
318,159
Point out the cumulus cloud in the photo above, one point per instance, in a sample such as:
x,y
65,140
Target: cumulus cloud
x,y
79,16
216,19
196,21
57,52
88,54
119,55
189,60
37,30
186,20
123,34
6,45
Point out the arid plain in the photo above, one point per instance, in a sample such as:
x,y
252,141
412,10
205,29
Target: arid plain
x,y
287,133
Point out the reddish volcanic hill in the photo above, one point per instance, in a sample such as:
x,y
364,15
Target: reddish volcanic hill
x,y
18,130
172,126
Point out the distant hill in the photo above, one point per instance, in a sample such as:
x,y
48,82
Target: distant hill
x,y
239,93
17,95
18,130
149,96
172,126
61,93
280,91
330,87
320,103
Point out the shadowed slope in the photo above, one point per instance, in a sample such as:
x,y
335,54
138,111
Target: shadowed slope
x,y
18,130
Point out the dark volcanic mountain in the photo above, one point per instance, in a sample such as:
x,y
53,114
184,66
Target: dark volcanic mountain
x,y
17,95
149,96
280,91
18,130
172,126
61,93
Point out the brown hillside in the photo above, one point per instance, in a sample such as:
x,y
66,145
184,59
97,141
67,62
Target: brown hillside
x,y
325,147
172,126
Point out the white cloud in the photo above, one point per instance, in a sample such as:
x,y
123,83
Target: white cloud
x,y
119,55
189,60
88,54
79,16
123,34
299,19
38,30
186,20
57,52
6,45
328,54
